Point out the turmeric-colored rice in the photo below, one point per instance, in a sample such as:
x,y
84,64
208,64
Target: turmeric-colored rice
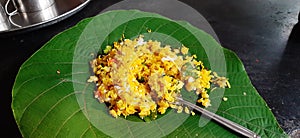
x,y
142,77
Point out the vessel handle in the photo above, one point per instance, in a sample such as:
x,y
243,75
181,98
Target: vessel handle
x,y
10,14
6,9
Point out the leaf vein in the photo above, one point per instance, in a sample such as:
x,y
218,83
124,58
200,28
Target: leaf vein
x,y
37,97
67,119
51,109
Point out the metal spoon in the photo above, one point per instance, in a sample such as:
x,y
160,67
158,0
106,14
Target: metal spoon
x,y
232,125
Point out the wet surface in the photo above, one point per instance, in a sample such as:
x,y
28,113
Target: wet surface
x,y
264,34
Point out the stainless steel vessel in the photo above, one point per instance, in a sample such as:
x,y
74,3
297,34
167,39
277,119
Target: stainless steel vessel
x,y
23,14
31,5
4,23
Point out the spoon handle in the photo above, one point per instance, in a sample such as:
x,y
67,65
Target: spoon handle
x,y
232,125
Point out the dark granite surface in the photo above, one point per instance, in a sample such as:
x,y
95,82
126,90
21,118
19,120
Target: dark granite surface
x,y
264,34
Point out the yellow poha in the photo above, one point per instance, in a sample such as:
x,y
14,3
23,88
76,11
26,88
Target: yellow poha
x,y
142,77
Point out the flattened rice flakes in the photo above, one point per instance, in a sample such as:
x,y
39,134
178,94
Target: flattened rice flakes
x,y
142,77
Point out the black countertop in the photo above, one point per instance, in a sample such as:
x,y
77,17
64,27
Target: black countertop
x,y
264,34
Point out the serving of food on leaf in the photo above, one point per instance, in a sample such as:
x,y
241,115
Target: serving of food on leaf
x,y
145,78
64,91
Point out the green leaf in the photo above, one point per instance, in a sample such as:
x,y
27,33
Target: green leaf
x,y
51,96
